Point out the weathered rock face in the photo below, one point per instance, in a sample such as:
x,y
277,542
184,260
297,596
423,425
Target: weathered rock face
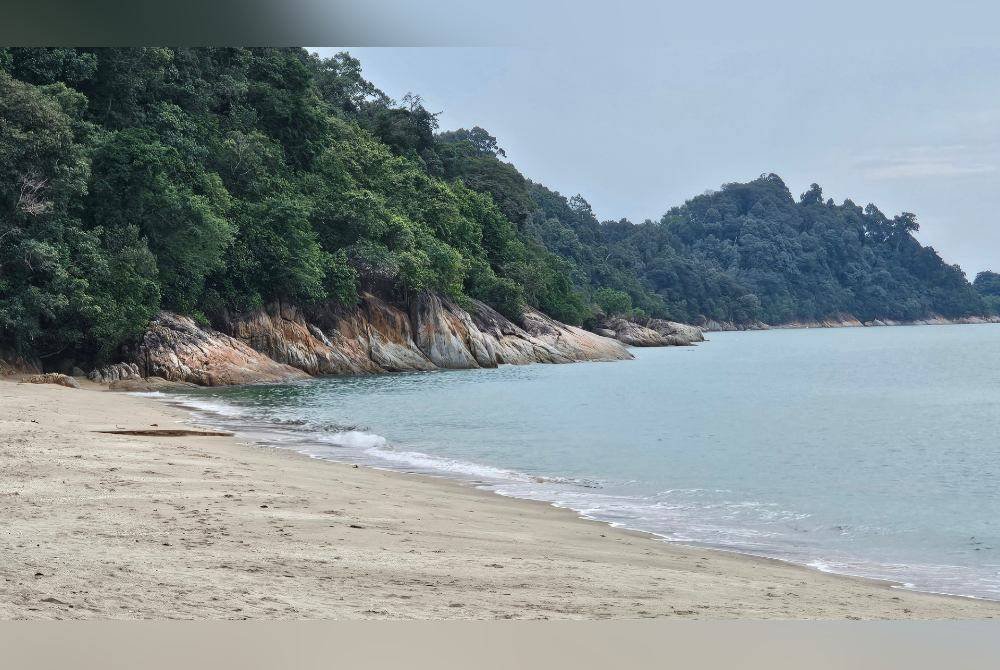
x,y
713,326
572,342
632,334
177,349
447,336
656,333
677,334
283,342
52,378
113,373
935,321
282,334
835,321
515,345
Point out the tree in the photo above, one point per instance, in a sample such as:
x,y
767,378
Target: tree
x,y
614,303
64,289
180,209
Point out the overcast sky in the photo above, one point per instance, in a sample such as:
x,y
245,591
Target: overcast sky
x,y
637,130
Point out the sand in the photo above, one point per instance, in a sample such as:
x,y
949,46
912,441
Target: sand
x,y
98,525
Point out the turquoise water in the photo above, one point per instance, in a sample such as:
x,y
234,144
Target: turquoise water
x,y
867,451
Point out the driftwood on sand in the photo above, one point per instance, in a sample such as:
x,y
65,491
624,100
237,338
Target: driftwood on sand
x,y
168,432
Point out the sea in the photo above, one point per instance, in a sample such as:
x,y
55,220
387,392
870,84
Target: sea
x,y
872,452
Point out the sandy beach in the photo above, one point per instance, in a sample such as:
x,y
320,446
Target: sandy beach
x,y
99,525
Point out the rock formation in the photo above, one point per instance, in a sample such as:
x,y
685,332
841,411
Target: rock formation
x,y
177,349
847,321
52,378
113,373
656,332
283,342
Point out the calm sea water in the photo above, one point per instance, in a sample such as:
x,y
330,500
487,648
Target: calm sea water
x,y
872,451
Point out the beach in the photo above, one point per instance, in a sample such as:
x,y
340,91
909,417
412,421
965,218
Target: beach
x,y
99,526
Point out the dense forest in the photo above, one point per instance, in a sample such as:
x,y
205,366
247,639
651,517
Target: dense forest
x,y
214,180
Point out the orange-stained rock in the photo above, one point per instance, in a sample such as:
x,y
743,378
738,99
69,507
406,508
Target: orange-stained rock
x,y
284,342
177,349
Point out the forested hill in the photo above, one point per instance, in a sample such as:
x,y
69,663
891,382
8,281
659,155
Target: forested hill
x,y
750,251
212,181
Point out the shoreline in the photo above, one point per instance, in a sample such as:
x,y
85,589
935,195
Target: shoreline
x,y
411,546
490,479
846,321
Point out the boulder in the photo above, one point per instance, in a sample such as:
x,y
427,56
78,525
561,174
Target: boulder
x,y
656,332
115,372
677,334
634,335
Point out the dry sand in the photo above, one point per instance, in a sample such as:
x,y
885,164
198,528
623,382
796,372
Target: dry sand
x,y
96,525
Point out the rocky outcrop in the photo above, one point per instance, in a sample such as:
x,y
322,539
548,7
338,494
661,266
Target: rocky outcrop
x,y
177,349
52,378
633,334
284,342
573,343
113,373
935,321
282,334
677,334
514,345
848,321
714,326
835,321
656,332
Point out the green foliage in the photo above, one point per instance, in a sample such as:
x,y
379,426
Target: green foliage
x,y
987,284
812,259
180,209
749,252
64,288
473,156
613,302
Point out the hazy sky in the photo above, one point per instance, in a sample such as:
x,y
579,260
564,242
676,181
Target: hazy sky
x,y
909,127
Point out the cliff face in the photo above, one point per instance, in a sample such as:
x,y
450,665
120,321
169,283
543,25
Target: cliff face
x,y
284,343
177,349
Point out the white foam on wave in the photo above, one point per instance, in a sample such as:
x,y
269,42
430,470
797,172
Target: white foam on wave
x,y
222,409
353,439
425,462
148,394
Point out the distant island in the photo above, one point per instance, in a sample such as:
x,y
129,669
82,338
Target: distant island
x,y
150,189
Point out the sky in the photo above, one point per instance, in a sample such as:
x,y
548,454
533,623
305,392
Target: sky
x,y
909,125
